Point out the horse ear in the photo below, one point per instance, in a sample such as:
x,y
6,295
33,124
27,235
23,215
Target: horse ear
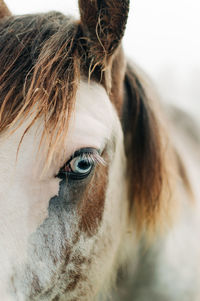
x,y
104,22
4,11
147,157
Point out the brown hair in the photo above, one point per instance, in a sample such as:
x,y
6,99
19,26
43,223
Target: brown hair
x,y
39,73
42,57
152,166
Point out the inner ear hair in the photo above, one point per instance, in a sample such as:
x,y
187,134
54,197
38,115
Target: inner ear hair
x,y
102,24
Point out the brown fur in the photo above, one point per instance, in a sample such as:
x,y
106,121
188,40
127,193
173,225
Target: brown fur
x,y
92,208
104,22
4,11
77,278
118,70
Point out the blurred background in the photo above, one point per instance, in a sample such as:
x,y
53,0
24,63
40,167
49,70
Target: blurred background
x,y
162,37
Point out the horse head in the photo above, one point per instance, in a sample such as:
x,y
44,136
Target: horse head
x,y
82,160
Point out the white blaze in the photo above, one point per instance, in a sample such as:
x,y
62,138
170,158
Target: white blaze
x,y
24,195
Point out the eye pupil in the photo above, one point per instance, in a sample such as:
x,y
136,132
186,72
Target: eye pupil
x,y
84,164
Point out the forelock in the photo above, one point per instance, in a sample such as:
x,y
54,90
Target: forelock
x,y
39,73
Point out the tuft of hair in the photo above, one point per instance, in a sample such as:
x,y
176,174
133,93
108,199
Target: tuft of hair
x,y
39,74
152,167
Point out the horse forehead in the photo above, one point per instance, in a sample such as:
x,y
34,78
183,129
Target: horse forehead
x,y
93,120
92,123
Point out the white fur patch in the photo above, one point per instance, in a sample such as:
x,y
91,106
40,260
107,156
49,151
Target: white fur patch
x,y
24,196
93,121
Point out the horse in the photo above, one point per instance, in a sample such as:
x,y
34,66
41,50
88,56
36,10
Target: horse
x,y
99,181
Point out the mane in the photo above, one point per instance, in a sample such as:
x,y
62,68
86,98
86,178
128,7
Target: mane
x,y
39,74
155,166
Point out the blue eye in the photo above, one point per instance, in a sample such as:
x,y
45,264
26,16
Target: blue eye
x,y
81,165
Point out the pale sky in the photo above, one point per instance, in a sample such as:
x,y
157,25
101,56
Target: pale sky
x,y
162,37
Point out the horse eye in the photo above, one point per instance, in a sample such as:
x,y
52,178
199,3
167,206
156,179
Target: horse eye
x,y
81,166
